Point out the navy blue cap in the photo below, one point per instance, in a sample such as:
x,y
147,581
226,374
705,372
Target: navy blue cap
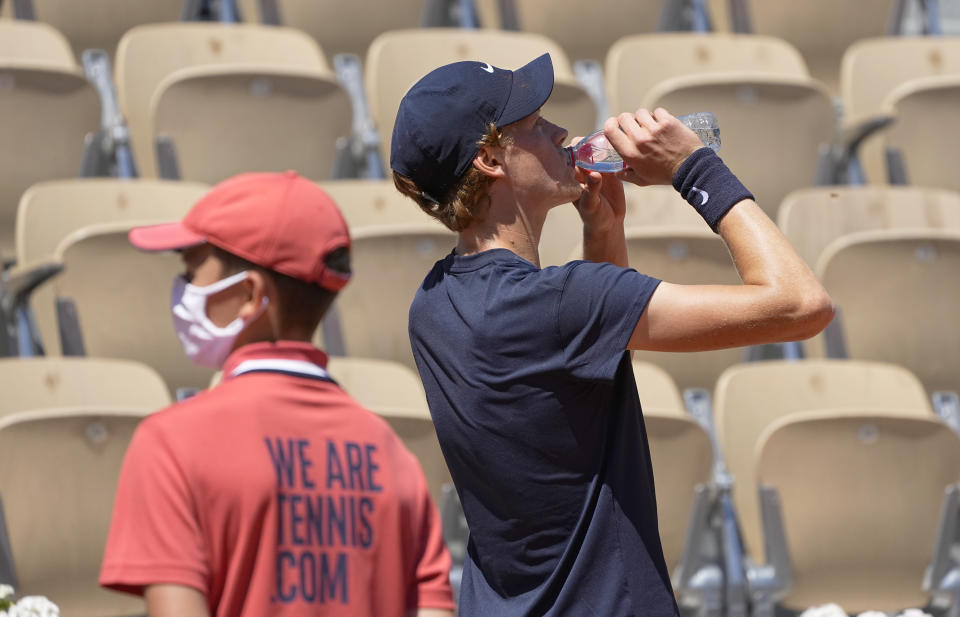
x,y
443,116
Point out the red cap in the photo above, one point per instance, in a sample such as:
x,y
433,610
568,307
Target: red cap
x,y
280,221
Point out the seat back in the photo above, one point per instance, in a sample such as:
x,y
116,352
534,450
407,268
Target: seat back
x,y
398,59
45,383
898,292
46,108
147,55
813,218
389,263
658,392
372,203
343,27
689,256
58,505
99,24
861,496
927,129
394,392
636,64
228,120
122,297
50,211
821,30
874,68
772,128
750,398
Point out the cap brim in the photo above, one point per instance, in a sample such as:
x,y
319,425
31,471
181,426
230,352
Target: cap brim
x,y
165,237
532,86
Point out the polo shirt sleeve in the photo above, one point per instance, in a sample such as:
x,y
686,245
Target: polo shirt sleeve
x,y
431,585
154,536
599,307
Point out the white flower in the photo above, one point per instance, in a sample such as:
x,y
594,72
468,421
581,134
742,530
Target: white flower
x,y
873,614
6,591
34,606
827,610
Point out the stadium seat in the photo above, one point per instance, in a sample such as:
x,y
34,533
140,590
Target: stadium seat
x,y
658,392
47,107
751,397
58,475
372,203
874,68
897,291
773,117
398,59
861,494
813,218
122,299
50,211
927,129
99,24
821,30
46,383
342,27
389,263
239,72
393,391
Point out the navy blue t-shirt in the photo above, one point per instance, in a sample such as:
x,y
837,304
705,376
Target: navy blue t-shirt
x,y
537,412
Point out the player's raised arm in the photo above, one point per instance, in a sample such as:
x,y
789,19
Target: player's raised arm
x,y
780,298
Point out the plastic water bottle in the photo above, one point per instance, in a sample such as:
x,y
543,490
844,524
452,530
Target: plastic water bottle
x,y
595,153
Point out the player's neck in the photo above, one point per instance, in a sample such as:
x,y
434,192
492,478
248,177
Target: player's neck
x,y
507,225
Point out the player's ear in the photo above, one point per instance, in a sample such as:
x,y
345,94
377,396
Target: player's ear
x,y
257,287
489,162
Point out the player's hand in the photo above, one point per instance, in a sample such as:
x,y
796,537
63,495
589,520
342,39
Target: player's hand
x,y
602,205
653,146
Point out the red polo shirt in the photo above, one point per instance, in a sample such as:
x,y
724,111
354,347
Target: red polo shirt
x,y
276,493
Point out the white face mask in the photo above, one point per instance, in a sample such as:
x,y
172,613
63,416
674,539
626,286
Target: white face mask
x,y
204,342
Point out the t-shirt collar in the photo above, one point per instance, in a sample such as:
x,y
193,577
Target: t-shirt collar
x,y
297,351
475,261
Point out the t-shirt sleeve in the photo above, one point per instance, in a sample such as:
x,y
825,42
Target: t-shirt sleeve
x,y
431,585
599,307
154,536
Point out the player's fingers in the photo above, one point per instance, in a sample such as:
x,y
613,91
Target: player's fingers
x,y
646,120
620,132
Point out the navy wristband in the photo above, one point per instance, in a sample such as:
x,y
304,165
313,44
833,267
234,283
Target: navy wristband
x,y
708,185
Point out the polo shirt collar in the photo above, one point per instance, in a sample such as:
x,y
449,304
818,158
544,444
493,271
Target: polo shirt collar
x,y
283,351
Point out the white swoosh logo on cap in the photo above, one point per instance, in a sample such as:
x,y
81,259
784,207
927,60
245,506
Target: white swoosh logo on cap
x,y
487,68
704,194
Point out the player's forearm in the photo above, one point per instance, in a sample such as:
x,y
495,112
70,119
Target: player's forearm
x,y
607,245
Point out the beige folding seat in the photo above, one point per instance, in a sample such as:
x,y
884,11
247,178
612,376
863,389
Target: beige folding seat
x,y
58,475
371,203
813,218
751,397
773,117
927,129
821,29
235,94
389,263
50,211
861,495
897,292
874,68
398,59
46,108
393,391
45,383
680,451
342,27
99,24
122,299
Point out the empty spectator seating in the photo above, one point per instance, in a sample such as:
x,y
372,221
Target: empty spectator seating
x,y
122,299
58,474
232,98
896,290
46,383
861,494
50,211
749,398
398,59
773,117
342,27
372,203
389,263
821,30
46,109
874,68
393,391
